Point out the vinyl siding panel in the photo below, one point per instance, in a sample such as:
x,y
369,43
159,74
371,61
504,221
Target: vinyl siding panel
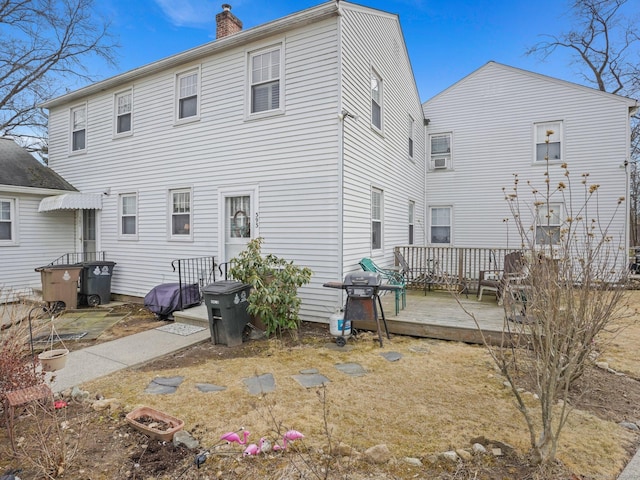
x,y
291,158
373,40
42,237
491,114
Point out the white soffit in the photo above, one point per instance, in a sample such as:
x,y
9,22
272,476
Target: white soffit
x,y
71,201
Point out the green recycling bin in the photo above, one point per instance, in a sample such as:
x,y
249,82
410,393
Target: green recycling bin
x,y
226,303
95,282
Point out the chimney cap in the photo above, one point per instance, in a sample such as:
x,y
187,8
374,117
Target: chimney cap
x,y
226,7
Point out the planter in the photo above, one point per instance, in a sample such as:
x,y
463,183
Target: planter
x,y
154,423
52,360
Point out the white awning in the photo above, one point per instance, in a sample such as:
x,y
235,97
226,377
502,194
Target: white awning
x,y
71,201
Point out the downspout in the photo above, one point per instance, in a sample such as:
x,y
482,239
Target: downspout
x,y
340,255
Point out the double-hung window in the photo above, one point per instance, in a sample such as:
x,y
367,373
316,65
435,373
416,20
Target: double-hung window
x,y
181,213
8,234
79,128
124,112
376,219
548,222
440,225
129,215
548,138
265,72
440,151
376,100
187,86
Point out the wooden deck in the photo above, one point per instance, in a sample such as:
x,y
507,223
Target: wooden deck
x,y
438,315
435,314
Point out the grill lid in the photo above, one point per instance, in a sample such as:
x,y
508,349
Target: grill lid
x,y
369,279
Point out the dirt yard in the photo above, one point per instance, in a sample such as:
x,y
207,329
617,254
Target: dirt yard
x,y
439,396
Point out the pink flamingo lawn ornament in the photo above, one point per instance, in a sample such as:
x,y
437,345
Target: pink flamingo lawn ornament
x,y
233,437
254,449
289,436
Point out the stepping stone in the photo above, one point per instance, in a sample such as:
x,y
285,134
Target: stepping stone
x,y
209,387
420,349
261,384
163,385
333,346
392,356
353,369
311,380
309,371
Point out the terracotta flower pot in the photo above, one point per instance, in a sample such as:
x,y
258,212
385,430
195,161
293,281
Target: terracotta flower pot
x,y
52,360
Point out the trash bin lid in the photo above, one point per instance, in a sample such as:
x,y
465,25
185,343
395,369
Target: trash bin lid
x,y
224,287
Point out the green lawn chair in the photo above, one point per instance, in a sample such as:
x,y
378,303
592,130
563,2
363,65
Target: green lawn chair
x,y
392,277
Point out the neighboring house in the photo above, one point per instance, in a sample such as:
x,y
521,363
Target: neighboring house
x,y
307,131
29,239
492,125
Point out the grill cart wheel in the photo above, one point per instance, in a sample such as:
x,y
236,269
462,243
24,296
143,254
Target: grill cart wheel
x,y
341,341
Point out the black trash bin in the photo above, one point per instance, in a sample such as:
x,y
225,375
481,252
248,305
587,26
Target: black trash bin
x,y
227,302
95,282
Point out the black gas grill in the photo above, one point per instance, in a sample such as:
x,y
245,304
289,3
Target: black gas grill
x,y
363,299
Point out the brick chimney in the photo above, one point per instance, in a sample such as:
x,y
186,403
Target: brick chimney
x,y
226,22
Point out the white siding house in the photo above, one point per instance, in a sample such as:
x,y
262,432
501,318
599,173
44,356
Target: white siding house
x,y
28,239
484,129
274,131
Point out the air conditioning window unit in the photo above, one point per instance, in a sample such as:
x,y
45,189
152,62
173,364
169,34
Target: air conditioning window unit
x,y
439,163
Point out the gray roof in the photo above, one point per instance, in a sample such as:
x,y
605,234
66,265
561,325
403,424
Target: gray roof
x,y
18,168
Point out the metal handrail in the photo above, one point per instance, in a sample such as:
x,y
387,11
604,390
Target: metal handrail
x,y
79,257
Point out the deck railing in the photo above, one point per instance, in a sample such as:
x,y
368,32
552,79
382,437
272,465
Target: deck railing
x,y
453,265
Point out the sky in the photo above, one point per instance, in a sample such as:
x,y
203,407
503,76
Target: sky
x,y
446,39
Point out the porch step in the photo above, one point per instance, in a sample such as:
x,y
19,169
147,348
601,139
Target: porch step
x,y
196,316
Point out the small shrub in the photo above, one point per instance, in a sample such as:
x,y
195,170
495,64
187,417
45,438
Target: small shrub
x,y
275,281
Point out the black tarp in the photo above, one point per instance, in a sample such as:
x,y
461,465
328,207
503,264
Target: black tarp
x,y
165,299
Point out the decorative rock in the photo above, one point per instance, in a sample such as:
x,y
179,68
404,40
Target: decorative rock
x,y
110,403
260,384
629,426
431,459
415,462
343,450
479,448
392,356
450,456
463,454
507,384
309,371
378,454
602,365
209,387
79,395
352,369
496,452
184,438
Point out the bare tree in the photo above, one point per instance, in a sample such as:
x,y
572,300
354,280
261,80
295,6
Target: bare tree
x,y
605,45
41,43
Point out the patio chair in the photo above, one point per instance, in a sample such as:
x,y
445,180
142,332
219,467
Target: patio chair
x,y
414,278
392,277
498,280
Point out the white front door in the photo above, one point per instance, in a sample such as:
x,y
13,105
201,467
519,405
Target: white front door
x,y
239,220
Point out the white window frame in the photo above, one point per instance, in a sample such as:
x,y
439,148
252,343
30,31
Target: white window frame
x,y
549,217
377,100
251,84
187,233
12,220
377,218
117,113
179,95
122,215
433,224
435,159
74,128
411,221
540,141
411,142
